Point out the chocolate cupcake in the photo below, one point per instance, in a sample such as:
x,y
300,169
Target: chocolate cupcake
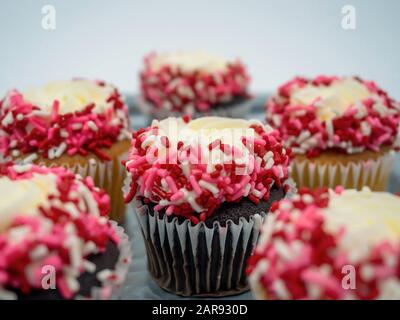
x,y
321,244
343,131
200,190
195,84
80,124
56,241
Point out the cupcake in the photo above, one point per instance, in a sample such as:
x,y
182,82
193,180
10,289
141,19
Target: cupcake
x,y
200,190
343,131
80,124
342,244
193,83
56,241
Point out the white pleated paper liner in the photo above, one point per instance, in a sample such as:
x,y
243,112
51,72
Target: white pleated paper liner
x,y
109,176
353,175
234,110
196,260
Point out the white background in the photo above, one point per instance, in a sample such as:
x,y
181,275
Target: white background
x,y
276,39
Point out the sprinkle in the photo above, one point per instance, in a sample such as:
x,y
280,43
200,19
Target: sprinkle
x,y
30,158
92,126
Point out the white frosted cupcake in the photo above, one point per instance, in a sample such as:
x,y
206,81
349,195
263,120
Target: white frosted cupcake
x,y
342,131
200,190
321,244
56,241
80,124
194,84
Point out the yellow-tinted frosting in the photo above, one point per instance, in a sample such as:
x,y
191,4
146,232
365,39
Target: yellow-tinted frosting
x,y
368,218
190,61
333,100
23,197
73,96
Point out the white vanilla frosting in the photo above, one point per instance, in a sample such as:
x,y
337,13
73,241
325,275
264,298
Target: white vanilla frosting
x,y
24,196
368,218
72,95
207,129
333,100
190,61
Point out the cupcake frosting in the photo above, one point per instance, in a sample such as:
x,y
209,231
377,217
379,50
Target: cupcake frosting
x,y
72,96
64,117
189,167
49,217
24,196
346,114
309,243
189,62
192,81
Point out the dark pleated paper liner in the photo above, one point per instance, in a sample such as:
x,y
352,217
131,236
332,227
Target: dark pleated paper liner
x,y
198,260
238,108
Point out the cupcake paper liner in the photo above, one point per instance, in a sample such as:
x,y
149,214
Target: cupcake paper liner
x,y
107,175
373,173
197,260
111,285
238,110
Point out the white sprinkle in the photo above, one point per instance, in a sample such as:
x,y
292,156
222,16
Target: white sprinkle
x,y
76,126
30,158
285,205
38,252
361,110
367,272
209,186
90,247
303,136
89,266
269,163
282,249
380,108
8,119
40,113
148,141
7,295
92,161
64,133
194,204
103,275
103,220
281,290
13,144
268,156
92,126
329,129
163,203
22,168
74,254
15,153
72,283
307,198
276,119
60,150
20,117
365,128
